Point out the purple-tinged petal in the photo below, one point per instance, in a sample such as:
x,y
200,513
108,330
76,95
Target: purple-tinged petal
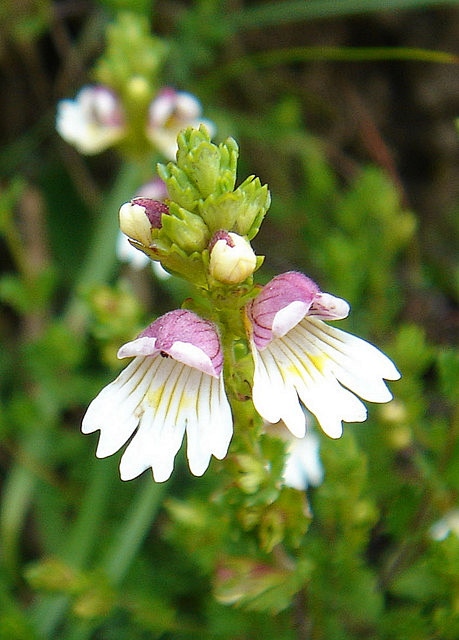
x,y
280,305
162,107
155,189
184,336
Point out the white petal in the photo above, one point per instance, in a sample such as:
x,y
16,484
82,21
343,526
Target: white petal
x,y
221,420
328,307
288,317
211,429
273,398
321,394
115,410
193,356
187,106
357,364
162,424
153,400
198,445
139,347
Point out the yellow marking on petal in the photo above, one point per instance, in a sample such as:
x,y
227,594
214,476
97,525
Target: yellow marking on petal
x,y
154,397
292,369
186,401
319,361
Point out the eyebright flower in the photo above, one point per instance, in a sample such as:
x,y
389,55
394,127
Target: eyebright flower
x,y
232,259
170,112
296,354
173,385
93,121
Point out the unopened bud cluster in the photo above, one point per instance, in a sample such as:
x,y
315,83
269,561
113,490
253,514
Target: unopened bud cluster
x,y
202,232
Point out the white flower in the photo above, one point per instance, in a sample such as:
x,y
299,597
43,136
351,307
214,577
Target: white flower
x,y
446,525
93,121
303,467
173,385
169,113
297,355
129,254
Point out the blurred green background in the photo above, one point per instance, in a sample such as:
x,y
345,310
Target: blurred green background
x,y
348,111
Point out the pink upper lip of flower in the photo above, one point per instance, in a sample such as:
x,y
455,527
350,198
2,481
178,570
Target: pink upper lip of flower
x,y
182,335
285,301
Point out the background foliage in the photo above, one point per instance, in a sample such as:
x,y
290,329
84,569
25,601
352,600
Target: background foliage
x,y
349,115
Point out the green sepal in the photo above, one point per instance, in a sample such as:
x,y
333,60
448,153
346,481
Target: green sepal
x,y
256,200
229,153
176,261
199,159
179,188
241,211
185,229
210,168
221,211
260,260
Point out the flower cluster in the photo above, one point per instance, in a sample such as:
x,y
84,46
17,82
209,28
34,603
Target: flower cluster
x,y
96,119
175,381
185,376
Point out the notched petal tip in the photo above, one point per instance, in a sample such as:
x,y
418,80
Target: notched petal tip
x,y
328,307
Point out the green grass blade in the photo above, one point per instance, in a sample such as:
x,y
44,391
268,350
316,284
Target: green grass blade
x,y
275,13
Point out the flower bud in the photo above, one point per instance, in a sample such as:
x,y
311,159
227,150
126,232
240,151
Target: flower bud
x,y
139,216
232,259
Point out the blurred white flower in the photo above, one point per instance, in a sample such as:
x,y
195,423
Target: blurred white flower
x,y
298,356
303,467
129,254
93,121
174,384
169,113
446,525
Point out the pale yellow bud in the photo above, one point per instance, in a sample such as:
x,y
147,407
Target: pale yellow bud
x,y
138,88
134,223
232,259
